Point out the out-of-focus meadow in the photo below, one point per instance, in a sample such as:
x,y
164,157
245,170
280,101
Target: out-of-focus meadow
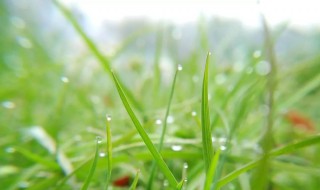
x,y
57,86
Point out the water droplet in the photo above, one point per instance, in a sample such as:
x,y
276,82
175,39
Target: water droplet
x,y
263,68
180,67
195,79
256,54
194,113
108,117
176,148
64,79
98,139
223,148
185,165
23,185
10,150
170,119
165,183
24,42
102,154
209,53
8,104
158,122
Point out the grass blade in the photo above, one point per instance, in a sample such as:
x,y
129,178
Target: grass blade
x,y
164,128
212,170
105,62
158,158
205,119
135,181
276,152
93,167
109,150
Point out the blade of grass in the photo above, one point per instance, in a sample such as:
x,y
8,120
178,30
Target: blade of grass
x,y
205,119
276,152
109,150
105,62
135,181
158,158
164,128
212,170
93,167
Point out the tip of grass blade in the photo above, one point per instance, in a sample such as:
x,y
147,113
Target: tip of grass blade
x,y
205,118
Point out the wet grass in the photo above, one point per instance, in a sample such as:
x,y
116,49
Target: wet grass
x,y
169,128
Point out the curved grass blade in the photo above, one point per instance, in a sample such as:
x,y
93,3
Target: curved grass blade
x,y
92,169
135,181
156,155
109,150
205,119
105,62
164,129
276,152
212,170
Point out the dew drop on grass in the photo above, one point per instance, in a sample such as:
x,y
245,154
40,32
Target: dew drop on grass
x,y
158,122
98,139
263,68
108,117
194,113
8,104
102,154
165,183
10,150
185,165
223,147
170,119
64,79
179,67
256,54
176,148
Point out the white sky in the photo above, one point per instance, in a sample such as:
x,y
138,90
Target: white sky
x,y
297,12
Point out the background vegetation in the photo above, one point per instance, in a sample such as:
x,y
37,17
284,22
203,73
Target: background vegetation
x,y
57,88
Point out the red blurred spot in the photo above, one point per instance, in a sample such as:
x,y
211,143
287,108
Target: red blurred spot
x,y
300,121
122,182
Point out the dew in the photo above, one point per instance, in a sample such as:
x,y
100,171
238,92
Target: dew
x,y
10,150
64,79
185,165
98,139
18,22
195,79
263,68
23,185
170,119
158,122
256,54
24,42
220,79
102,154
223,147
165,183
176,148
194,113
209,53
8,104
179,67
108,117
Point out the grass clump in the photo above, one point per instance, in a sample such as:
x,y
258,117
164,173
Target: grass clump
x,y
49,120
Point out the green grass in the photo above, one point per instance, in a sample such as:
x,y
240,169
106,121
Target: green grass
x,y
222,127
